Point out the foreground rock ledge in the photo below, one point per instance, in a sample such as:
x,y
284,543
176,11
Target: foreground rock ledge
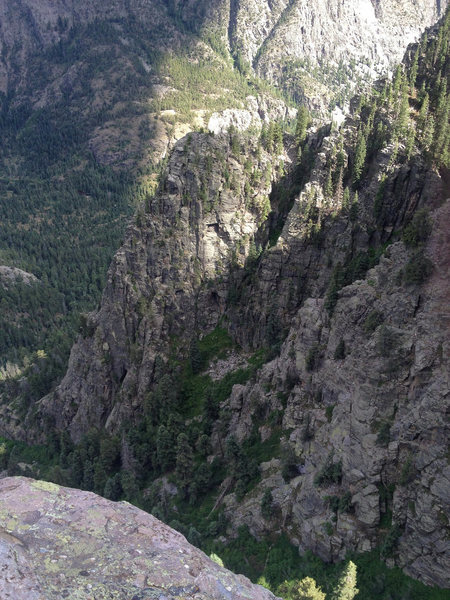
x,y
58,542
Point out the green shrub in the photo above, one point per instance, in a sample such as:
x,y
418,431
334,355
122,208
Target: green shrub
x,y
312,358
390,541
418,231
329,412
328,527
331,472
418,269
339,353
384,434
373,320
267,508
339,503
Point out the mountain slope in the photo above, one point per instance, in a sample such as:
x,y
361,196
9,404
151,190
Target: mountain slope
x,y
91,98
346,309
272,330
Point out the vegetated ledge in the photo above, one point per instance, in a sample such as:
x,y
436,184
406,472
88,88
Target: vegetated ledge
x,y
58,542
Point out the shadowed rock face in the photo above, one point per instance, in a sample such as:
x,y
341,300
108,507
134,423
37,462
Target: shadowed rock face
x,y
58,542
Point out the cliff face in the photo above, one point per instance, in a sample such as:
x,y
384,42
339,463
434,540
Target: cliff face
x,y
58,542
371,413
170,278
319,50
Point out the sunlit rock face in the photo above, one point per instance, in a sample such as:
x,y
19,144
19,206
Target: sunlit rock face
x,y
347,41
58,543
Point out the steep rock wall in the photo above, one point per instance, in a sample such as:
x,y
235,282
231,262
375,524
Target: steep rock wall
x,y
169,280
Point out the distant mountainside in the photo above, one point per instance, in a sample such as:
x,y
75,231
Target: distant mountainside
x,y
312,49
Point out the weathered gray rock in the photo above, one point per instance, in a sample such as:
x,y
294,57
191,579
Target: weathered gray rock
x,y
13,275
58,543
169,278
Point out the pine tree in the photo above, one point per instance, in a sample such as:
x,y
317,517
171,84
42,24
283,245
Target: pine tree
x,y
346,586
184,461
113,488
398,81
307,590
409,144
440,143
165,450
428,133
401,123
267,505
360,157
302,125
129,485
278,138
270,137
339,194
346,198
328,187
414,69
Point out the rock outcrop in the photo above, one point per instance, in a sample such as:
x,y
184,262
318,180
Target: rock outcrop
x,y
169,280
356,411
12,275
59,543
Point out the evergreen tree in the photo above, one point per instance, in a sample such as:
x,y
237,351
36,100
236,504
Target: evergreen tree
x,y
113,488
301,127
165,450
428,134
402,120
409,144
129,484
328,188
440,145
307,590
184,461
267,505
354,208
346,586
278,138
360,157
88,476
423,113
346,198
339,194
414,69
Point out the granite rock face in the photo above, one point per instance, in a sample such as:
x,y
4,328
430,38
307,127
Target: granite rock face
x,y
58,543
364,424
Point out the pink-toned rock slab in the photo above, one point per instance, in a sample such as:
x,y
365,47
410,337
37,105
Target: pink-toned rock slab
x,y
58,542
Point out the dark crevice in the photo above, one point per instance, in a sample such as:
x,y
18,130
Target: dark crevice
x,y
234,7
